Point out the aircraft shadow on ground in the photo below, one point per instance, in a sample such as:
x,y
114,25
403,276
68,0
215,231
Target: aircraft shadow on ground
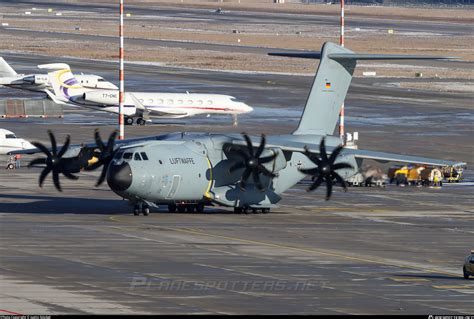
x,y
43,204
434,276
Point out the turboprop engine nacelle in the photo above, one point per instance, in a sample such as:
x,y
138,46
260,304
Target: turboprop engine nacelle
x,y
37,79
102,97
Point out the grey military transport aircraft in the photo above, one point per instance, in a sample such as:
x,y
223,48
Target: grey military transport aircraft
x,y
188,171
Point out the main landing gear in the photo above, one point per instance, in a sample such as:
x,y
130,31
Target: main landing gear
x,y
139,121
248,210
186,208
141,208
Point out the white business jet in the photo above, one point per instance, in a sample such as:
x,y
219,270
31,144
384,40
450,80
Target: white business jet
x,y
9,142
40,82
141,106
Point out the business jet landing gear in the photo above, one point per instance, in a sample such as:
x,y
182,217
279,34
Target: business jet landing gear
x,y
129,120
141,121
141,208
235,120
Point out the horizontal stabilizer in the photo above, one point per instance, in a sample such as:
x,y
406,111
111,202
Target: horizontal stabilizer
x,y
357,56
54,66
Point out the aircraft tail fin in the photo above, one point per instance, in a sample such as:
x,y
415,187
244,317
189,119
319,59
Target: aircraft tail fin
x,y
65,85
5,69
331,83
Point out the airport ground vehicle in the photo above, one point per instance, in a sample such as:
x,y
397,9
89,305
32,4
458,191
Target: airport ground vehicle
x,y
417,175
452,174
468,268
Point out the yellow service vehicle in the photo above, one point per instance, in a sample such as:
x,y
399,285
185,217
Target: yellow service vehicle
x,y
452,174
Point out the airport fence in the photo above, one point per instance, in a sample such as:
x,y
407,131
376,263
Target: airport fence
x,y
13,108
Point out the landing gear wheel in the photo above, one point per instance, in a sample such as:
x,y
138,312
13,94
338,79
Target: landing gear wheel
x,y
189,209
172,208
245,210
10,166
237,210
265,210
465,273
136,210
181,208
141,121
200,208
146,210
129,120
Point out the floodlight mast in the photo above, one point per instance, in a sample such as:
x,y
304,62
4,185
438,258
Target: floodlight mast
x,y
121,78
341,42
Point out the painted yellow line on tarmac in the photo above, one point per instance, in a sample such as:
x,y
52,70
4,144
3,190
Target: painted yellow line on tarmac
x,y
453,287
409,279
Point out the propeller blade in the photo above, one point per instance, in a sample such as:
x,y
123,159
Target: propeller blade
x,y
98,140
43,149
316,184
102,176
43,175
256,180
267,159
65,146
56,180
328,188
249,144
110,142
340,180
37,161
310,171
322,150
244,178
236,166
265,171
260,148
311,156
70,176
335,153
54,148
342,165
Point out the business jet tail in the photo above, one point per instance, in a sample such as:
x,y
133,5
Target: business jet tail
x,y
65,85
5,69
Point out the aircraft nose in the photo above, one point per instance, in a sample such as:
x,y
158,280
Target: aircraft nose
x,y
248,108
119,177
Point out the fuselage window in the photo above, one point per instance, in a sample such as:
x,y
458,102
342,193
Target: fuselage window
x,y
127,156
144,156
199,102
150,101
161,163
170,102
180,102
190,102
209,102
141,100
137,157
160,101
10,136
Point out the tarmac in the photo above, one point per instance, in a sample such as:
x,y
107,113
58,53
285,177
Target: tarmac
x,y
391,250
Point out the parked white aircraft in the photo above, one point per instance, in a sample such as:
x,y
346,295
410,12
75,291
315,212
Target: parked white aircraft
x,y
140,105
9,142
40,82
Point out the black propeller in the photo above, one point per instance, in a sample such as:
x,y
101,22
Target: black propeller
x,y
53,161
105,155
326,169
252,162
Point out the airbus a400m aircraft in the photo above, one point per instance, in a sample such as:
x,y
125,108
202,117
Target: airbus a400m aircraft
x,y
187,171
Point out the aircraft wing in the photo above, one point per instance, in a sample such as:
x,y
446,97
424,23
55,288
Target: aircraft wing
x,y
298,146
118,143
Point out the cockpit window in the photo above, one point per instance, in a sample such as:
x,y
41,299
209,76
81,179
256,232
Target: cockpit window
x,y
118,155
137,157
100,80
144,156
127,156
10,136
